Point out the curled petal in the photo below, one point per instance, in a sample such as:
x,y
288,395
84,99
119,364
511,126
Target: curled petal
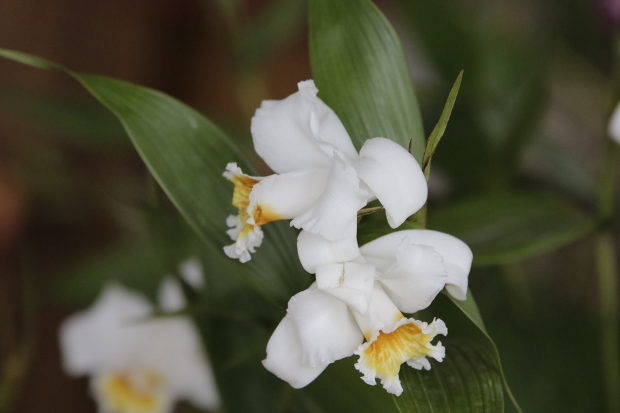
x,y
299,132
334,215
285,196
415,279
326,330
351,282
247,238
457,256
394,177
284,356
315,251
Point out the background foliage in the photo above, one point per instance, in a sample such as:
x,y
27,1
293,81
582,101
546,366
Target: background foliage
x,y
515,175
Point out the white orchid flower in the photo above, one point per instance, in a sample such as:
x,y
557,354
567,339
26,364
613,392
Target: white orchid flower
x,y
613,128
137,364
320,180
356,306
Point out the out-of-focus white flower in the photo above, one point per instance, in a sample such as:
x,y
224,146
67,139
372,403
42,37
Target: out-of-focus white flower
x,y
613,128
139,364
321,181
356,305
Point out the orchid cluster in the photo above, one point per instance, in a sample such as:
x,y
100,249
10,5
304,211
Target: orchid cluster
x,y
357,302
137,363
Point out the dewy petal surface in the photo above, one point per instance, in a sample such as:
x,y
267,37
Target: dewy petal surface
x,y
299,132
315,251
326,329
284,356
457,256
334,215
394,177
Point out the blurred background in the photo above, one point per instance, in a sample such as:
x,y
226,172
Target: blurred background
x,y
516,174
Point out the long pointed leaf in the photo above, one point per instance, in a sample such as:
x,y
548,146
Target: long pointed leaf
x,y
361,72
187,153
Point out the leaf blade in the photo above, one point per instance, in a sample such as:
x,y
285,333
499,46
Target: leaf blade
x,y
362,74
440,127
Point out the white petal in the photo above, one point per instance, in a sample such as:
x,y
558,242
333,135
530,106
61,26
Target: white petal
x,y
315,251
456,254
285,196
351,282
299,132
284,356
102,336
246,243
171,297
613,129
173,346
334,215
326,329
415,279
191,271
382,313
394,177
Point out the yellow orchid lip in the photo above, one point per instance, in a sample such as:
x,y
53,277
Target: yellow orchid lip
x,y
408,341
135,392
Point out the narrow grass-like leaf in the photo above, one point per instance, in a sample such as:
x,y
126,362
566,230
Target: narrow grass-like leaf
x,y
507,227
440,127
361,72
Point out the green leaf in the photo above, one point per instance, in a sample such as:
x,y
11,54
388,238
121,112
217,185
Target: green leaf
x,y
470,378
440,127
187,153
470,309
279,24
361,72
512,226
467,381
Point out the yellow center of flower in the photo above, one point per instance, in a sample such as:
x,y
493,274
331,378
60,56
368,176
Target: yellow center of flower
x,y
389,350
136,392
241,199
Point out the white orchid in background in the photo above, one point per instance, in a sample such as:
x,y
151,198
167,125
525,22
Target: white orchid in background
x,y
360,294
613,128
320,180
137,364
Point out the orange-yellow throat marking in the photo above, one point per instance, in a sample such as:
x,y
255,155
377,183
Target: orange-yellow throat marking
x,y
124,394
241,193
390,350
241,199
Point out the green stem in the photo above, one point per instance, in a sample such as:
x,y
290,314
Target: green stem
x,y
608,306
606,191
